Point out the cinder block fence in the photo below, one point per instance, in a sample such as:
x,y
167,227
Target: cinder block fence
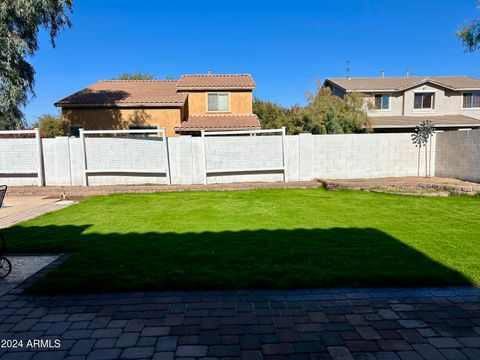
x,y
232,158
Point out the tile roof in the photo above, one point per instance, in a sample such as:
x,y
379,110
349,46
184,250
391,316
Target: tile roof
x,y
220,122
216,82
402,83
412,121
127,93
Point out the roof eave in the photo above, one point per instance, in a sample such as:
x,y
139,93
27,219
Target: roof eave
x,y
372,91
334,83
204,88
117,105
180,128
415,125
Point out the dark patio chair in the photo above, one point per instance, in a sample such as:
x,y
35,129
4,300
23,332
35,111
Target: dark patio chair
x,y
5,264
3,191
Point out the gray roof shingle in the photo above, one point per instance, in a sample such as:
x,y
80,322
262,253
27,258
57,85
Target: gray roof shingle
x,y
401,83
412,121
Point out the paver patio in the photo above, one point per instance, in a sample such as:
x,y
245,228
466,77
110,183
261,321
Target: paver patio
x,y
20,208
441,323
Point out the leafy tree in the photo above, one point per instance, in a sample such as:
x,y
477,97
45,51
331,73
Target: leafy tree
x,y
330,114
50,125
20,22
470,35
324,114
275,116
136,76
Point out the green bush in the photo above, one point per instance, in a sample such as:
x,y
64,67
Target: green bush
x,y
50,125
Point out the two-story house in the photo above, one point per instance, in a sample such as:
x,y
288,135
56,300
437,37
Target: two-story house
x,y
398,104
185,106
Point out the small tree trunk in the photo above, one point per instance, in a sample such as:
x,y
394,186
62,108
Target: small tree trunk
x,y
418,165
430,161
426,161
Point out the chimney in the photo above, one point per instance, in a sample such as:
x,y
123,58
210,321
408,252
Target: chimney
x,y
406,73
383,73
413,74
209,71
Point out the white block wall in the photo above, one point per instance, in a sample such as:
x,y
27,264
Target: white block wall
x,y
126,153
18,161
366,156
231,153
458,155
308,157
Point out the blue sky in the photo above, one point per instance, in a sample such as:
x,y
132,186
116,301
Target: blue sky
x,y
286,45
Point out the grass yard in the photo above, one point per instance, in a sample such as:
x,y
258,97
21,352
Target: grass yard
x,y
256,239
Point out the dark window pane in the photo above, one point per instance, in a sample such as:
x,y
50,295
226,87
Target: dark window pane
x,y
378,102
467,100
427,101
476,100
75,131
141,127
417,103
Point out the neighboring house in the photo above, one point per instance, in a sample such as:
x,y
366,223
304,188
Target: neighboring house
x,y
185,106
398,104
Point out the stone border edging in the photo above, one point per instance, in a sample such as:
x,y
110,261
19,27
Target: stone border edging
x,y
82,191
370,185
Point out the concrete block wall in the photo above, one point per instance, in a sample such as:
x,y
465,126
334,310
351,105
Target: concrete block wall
x,y
57,163
230,153
367,156
458,155
18,156
126,153
308,157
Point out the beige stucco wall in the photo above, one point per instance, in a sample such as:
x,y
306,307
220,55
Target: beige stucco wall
x,y
454,105
396,105
118,118
446,102
240,102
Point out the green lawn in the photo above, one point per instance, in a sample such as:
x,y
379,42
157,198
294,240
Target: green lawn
x,y
256,239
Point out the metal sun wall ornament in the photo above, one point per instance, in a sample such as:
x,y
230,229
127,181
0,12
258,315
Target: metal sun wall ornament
x,y
421,137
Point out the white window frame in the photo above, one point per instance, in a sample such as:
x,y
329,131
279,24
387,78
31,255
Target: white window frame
x,y
432,107
215,93
472,107
389,102
87,171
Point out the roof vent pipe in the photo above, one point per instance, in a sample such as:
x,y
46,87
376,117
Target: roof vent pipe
x,y
413,74
406,73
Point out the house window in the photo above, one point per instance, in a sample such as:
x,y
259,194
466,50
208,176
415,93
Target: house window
x,y
471,100
218,102
382,102
423,101
74,130
142,127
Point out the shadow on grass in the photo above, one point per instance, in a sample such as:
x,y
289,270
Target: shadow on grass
x,y
274,259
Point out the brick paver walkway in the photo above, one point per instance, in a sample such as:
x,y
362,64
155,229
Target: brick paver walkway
x,y
28,214
308,324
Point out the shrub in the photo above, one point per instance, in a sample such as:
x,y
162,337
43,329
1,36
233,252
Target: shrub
x,y
50,125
